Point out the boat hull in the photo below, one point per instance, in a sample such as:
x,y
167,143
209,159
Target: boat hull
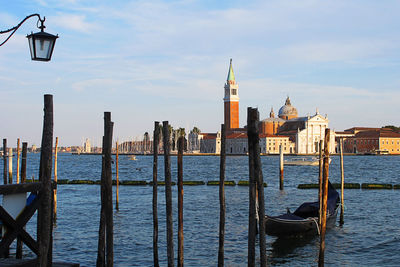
x,y
287,227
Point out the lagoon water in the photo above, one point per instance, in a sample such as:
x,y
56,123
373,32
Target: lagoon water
x,y
369,237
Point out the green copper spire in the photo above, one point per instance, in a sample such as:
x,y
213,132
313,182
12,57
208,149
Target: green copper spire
x,y
231,76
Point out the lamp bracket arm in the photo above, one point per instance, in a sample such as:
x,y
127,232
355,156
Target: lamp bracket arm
x,y
15,28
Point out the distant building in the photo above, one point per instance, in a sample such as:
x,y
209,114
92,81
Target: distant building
x,y
86,146
372,140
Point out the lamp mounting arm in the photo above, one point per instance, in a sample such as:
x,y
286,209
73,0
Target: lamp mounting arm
x,y
15,28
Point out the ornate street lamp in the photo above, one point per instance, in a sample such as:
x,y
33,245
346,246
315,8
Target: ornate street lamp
x,y
41,44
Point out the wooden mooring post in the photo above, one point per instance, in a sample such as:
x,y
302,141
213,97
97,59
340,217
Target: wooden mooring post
x,y
222,206
168,193
116,177
18,155
105,255
281,164
256,185
341,183
45,212
4,161
55,179
10,161
156,139
320,182
181,144
324,199
23,161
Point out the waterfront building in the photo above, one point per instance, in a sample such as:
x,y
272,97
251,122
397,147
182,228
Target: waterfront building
x,y
210,142
237,143
372,141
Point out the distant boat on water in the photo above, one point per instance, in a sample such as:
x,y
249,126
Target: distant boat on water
x,y
132,157
307,161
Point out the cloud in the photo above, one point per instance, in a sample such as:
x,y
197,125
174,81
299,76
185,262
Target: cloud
x,y
74,22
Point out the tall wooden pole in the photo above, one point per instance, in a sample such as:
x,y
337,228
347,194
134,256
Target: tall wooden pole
x,y
101,258
108,127
117,178
222,206
181,144
320,182
23,161
5,161
45,213
156,140
251,250
55,179
10,161
18,154
168,193
281,163
324,199
341,183
254,144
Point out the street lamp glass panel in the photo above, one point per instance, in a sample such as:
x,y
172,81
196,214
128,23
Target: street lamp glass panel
x,y
41,45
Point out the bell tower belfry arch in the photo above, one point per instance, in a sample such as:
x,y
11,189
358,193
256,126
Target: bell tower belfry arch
x,y
231,101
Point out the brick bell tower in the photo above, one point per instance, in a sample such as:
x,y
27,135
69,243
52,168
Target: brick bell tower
x,y
231,101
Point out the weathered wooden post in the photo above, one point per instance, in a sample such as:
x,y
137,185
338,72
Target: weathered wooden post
x,y
105,255
324,199
5,161
55,179
45,213
156,140
18,154
10,160
256,183
222,206
341,183
23,162
101,258
168,193
281,164
117,178
181,144
320,181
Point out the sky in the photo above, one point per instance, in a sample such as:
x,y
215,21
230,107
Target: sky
x,y
150,60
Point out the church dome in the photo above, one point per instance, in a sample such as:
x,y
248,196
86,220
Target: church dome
x,y
287,111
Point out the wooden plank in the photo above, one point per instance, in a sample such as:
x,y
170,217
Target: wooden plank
x,y
20,188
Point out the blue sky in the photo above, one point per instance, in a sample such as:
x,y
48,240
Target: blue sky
x,y
168,60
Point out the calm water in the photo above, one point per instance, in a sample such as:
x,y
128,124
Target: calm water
x,y
370,235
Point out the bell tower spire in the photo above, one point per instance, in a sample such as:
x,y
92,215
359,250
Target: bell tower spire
x,y
231,101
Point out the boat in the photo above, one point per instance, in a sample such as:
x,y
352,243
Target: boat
x,y
304,220
313,161
132,157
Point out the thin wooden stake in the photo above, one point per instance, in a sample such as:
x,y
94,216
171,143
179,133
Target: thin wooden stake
x,y
341,183
117,178
320,182
168,193
10,161
155,215
5,161
222,206
23,162
55,180
324,199
18,154
181,142
281,164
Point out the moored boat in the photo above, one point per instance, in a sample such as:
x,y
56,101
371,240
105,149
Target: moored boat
x,y
304,221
